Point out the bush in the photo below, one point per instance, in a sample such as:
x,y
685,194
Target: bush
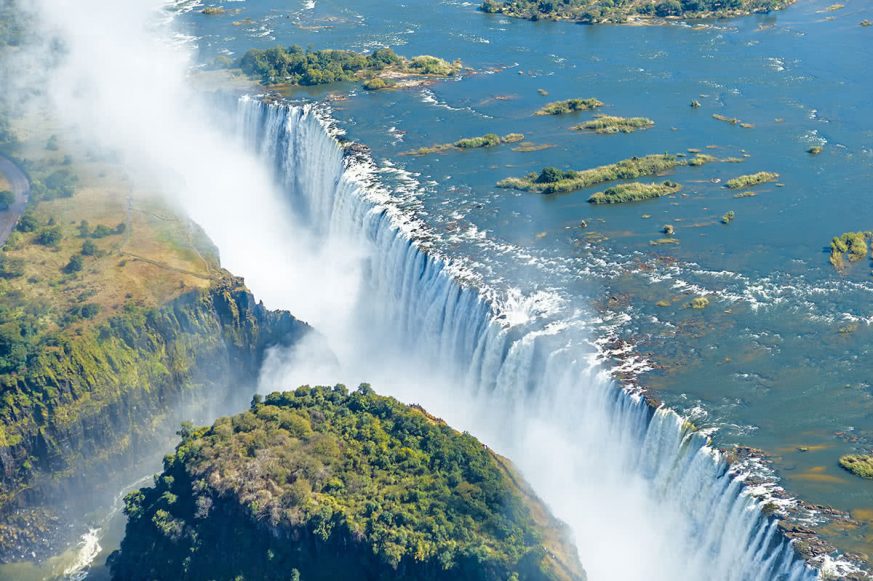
x,y
7,198
27,223
51,236
89,248
75,264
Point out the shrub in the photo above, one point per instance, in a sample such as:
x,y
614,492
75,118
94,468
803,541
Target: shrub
x,y
7,198
75,264
50,236
89,248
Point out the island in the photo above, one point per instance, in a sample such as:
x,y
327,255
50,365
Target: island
x,y
569,106
481,142
858,464
635,192
851,246
381,69
552,180
327,483
747,181
629,11
609,124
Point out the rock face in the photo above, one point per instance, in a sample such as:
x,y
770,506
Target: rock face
x,y
90,409
321,483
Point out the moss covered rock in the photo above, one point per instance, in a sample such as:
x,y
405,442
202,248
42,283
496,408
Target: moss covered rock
x,y
320,483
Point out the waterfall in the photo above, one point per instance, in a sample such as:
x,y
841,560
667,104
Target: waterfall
x,y
645,495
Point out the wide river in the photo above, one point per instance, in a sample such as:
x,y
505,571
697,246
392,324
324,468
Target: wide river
x,y
781,358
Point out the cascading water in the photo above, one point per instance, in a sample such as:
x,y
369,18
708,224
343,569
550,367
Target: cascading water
x,y
646,497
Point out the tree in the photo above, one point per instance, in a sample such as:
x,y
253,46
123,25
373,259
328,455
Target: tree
x,y
27,223
50,236
550,175
75,264
7,198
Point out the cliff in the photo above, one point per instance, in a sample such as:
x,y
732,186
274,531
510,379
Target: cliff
x,y
89,405
321,483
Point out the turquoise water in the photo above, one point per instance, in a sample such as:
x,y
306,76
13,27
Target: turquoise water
x,y
780,360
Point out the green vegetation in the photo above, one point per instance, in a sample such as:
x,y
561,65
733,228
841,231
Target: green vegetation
x,y
102,336
728,217
569,106
815,150
748,194
610,11
634,192
699,303
607,124
747,181
321,483
701,159
213,10
552,180
296,66
528,147
7,198
481,142
378,83
668,229
851,246
858,464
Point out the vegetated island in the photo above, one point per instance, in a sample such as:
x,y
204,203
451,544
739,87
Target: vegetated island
x,y
858,464
321,483
381,69
569,106
609,124
747,181
628,11
551,180
634,192
851,246
481,142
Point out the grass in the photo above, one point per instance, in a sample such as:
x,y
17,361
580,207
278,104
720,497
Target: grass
x,y
569,106
858,464
481,142
551,180
634,192
158,257
746,181
609,124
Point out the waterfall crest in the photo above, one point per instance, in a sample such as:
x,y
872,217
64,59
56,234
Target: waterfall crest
x,y
645,495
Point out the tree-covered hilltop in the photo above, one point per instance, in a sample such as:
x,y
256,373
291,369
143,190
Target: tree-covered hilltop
x,y
296,66
320,483
617,11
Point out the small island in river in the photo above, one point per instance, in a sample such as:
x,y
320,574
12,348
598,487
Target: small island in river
x,y
552,180
628,11
381,69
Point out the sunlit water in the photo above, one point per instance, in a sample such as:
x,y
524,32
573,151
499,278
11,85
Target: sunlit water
x,y
781,358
